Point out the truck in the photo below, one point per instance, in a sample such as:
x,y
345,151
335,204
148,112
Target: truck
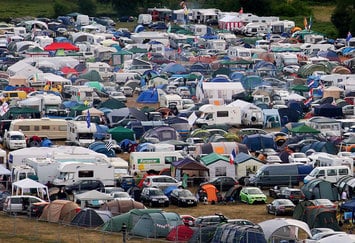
x,y
71,172
14,140
278,174
212,115
142,162
80,133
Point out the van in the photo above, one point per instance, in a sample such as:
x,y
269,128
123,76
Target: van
x,y
280,174
142,162
328,173
212,115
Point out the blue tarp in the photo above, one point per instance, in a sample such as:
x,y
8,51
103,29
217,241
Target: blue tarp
x,y
149,96
259,141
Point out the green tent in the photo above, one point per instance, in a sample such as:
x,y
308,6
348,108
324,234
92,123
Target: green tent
x,y
95,84
119,133
304,129
212,158
112,104
77,110
129,219
17,112
319,188
92,75
300,88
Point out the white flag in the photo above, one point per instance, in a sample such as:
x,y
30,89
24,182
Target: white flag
x,y
4,108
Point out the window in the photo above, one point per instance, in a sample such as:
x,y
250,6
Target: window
x,y
343,171
36,128
45,127
331,172
222,113
221,171
86,173
321,173
24,128
169,159
62,128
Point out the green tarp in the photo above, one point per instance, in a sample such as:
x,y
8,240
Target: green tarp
x,y
303,129
120,133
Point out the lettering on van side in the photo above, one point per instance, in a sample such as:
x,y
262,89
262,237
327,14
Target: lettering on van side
x,y
149,161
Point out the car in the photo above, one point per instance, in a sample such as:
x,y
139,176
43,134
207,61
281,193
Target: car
x,y
322,235
154,197
281,206
251,195
158,26
298,157
161,181
118,95
241,222
121,196
293,194
250,131
184,92
296,147
273,159
210,220
20,203
188,219
126,182
127,91
195,140
111,189
85,185
291,69
183,197
324,203
159,59
222,183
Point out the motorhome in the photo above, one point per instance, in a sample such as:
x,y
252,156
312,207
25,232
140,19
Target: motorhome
x,y
283,26
120,165
142,162
14,140
82,94
3,158
327,126
325,159
20,172
102,68
253,29
46,169
171,99
313,49
43,127
212,115
218,45
80,133
285,59
122,77
71,172
251,115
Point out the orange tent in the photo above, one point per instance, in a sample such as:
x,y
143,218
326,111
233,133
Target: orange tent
x,y
211,192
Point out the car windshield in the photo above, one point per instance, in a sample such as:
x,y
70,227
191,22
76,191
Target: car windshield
x,y
156,193
185,193
254,191
300,156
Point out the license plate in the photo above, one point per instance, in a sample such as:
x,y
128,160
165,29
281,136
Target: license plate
x,y
190,202
161,201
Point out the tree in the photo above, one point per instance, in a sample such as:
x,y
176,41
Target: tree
x,y
87,7
343,17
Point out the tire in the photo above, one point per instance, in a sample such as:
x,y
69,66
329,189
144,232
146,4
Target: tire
x,y
275,213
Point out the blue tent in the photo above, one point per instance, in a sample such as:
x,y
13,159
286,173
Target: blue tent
x,y
328,110
101,131
174,68
149,96
100,147
256,142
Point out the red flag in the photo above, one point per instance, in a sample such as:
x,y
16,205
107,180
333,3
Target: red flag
x,y
232,157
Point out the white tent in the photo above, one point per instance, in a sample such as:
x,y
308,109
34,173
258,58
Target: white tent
x,y
25,185
92,195
282,228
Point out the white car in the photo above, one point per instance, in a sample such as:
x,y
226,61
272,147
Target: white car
x,y
298,158
291,69
161,181
121,196
273,159
118,96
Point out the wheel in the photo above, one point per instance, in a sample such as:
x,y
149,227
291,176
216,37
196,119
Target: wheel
x,y
275,213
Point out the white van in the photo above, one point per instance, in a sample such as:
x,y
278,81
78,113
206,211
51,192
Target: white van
x,y
328,173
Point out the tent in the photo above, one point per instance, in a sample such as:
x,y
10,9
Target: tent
x,y
159,134
62,211
61,45
232,195
149,96
256,142
91,75
211,192
155,225
180,233
92,195
129,219
283,229
223,148
190,166
27,184
117,207
319,188
214,162
174,68
120,133
321,146
328,110
303,129
93,112
89,217
230,232
112,104
203,234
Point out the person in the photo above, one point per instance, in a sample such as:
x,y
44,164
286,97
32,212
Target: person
x,y
344,196
184,180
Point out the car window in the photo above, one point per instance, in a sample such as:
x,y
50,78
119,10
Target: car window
x,y
170,180
331,172
16,200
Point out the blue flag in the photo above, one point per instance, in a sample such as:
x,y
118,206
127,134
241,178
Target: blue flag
x,y
88,119
349,36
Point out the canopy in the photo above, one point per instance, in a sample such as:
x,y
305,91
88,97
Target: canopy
x,y
61,46
23,186
92,195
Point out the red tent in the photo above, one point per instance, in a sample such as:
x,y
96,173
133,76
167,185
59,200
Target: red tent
x,y
61,45
180,233
69,70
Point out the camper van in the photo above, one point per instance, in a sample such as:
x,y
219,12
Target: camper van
x,y
14,94
71,172
212,115
144,161
82,94
253,29
120,165
43,127
14,140
328,173
102,68
80,134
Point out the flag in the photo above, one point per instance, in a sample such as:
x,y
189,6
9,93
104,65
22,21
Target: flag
x,y
4,108
232,157
349,36
88,119
308,101
310,22
241,10
109,145
305,23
